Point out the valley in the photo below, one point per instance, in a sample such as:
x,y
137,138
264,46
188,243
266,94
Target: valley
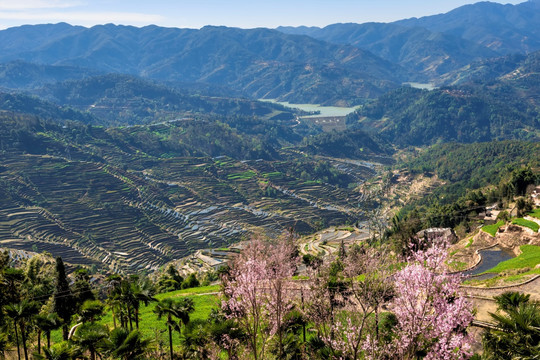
x,y
348,191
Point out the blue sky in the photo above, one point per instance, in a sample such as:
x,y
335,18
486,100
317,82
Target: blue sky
x,y
239,13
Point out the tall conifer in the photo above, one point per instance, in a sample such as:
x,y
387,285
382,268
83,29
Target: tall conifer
x,y
64,301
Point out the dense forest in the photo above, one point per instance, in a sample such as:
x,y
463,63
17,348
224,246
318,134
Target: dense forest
x,y
475,176
416,117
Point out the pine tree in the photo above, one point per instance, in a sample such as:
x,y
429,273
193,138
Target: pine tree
x,y
64,301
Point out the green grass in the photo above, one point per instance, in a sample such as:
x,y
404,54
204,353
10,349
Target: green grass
x,y
526,223
273,174
529,258
246,175
519,277
148,322
190,291
457,265
492,229
509,279
471,240
535,213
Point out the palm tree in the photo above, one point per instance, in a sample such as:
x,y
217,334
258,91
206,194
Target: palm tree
x,y
142,292
517,330
60,351
195,339
179,309
22,314
127,298
186,307
91,311
511,300
127,345
90,337
3,344
113,302
45,324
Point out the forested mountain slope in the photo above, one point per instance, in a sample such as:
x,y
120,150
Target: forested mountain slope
x,y
503,28
260,62
425,53
507,107
125,99
139,196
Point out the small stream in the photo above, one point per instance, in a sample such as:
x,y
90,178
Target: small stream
x,y
490,258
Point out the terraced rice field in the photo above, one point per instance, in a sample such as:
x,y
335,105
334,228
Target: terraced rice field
x,y
151,211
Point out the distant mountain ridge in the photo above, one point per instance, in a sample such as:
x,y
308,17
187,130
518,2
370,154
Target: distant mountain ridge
x,y
124,99
21,75
504,28
501,104
259,62
426,53
341,64
433,46
118,99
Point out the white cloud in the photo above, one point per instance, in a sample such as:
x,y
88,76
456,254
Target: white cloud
x,y
37,4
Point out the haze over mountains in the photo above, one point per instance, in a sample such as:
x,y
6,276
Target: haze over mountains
x,y
171,118
261,63
338,64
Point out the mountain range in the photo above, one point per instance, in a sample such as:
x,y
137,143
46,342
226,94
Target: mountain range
x,y
502,103
135,146
261,63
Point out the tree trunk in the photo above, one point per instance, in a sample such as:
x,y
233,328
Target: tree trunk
x,y
129,318
48,340
23,335
17,340
65,332
170,340
39,341
254,345
377,323
113,317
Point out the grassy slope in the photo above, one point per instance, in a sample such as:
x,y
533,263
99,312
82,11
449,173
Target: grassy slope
x,y
204,298
529,258
526,223
535,213
492,229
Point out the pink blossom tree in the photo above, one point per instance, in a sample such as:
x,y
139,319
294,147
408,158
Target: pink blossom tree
x,y
432,314
361,287
256,291
325,300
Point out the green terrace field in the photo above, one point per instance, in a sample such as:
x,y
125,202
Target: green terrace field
x,y
535,213
492,229
111,203
529,258
205,299
526,223
514,270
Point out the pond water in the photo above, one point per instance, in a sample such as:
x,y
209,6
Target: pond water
x,y
490,258
325,111
421,86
